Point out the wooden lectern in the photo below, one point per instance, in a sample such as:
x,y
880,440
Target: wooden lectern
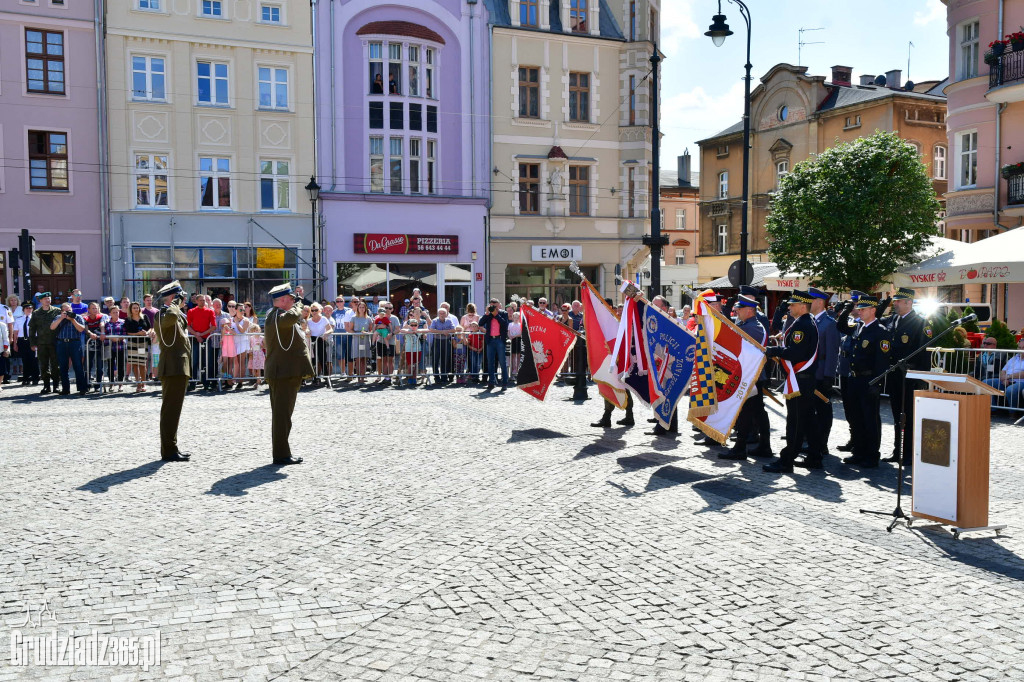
x,y
951,451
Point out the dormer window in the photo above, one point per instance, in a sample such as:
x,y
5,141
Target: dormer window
x,y
578,16
528,13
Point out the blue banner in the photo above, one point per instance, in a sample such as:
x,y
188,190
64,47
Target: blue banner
x,y
670,349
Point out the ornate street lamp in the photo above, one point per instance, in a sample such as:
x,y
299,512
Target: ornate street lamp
x,y
313,190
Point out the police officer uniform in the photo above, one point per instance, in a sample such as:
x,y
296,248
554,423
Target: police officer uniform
x,y
753,418
44,340
174,368
909,332
287,364
828,362
845,328
869,360
799,348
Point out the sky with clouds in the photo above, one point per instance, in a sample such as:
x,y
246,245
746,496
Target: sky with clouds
x,y
702,85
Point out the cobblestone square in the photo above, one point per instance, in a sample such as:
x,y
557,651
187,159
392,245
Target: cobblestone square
x,y
457,534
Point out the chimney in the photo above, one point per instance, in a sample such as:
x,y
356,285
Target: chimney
x,y
893,79
684,168
865,79
841,75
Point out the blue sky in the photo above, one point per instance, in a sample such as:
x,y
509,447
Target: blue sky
x,y
702,86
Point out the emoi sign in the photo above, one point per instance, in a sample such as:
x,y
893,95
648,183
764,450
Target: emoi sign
x,y
405,243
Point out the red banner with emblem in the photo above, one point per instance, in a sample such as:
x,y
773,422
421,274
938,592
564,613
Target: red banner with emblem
x,y
546,345
366,243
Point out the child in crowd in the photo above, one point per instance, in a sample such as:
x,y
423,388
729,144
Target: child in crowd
x,y
259,353
459,346
382,344
475,348
413,345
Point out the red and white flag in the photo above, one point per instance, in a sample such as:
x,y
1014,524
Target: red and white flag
x,y
602,327
546,345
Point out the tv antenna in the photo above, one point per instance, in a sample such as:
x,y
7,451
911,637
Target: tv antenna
x,y
801,42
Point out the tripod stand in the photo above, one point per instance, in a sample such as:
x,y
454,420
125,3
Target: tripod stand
x,y
898,514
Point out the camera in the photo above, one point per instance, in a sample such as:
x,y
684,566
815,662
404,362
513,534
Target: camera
x,y
492,308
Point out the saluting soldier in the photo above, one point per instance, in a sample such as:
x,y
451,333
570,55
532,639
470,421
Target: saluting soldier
x,y
799,352
869,360
174,368
287,364
43,340
909,331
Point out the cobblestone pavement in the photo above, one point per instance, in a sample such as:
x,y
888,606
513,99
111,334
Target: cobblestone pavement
x,y
462,535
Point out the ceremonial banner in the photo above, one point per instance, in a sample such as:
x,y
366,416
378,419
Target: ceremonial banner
x,y
727,363
671,348
630,359
601,326
546,345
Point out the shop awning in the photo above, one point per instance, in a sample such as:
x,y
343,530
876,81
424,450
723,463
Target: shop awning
x,y
767,275
996,260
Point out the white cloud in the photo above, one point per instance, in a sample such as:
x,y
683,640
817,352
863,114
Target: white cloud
x,y
933,11
677,24
696,114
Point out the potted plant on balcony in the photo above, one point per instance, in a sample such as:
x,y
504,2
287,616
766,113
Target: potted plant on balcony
x,y
1012,169
1016,40
997,47
991,58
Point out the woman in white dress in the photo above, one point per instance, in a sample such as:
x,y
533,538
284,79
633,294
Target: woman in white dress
x,y
239,327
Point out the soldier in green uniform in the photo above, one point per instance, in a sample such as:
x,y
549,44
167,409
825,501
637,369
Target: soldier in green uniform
x,y
286,366
174,369
43,341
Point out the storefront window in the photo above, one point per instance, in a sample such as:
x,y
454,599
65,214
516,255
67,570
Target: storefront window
x,y
397,281
553,282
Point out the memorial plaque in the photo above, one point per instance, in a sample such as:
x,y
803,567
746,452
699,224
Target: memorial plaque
x,y
935,442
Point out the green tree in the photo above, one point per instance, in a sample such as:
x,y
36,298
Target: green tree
x,y
854,214
1002,334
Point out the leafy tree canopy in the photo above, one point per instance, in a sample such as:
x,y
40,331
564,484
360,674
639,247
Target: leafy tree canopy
x,y
851,216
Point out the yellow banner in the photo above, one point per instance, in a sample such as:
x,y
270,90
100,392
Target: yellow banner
x,y
270,259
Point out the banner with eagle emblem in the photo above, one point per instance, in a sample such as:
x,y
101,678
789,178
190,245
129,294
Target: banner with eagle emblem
x,y
546,345
727,363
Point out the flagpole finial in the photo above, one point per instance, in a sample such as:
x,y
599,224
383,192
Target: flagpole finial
x,y
575,269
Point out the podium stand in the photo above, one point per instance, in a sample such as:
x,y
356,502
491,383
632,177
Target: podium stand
x,y
951,451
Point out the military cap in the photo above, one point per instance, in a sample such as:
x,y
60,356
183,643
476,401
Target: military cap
x,y
866,301
799,297
747,290
903,294
45,294
818,293
854,295
170,289
281,290
746,301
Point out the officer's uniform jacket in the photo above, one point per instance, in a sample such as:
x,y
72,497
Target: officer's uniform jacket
x,y
908,334
175,345
872,345
828,347
287,354
39,332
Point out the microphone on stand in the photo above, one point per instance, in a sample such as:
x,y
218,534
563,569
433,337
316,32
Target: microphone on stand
x,y
967,318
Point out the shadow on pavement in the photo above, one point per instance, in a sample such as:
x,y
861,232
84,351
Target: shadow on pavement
x,y
602,446
103,483
521,435
239,484
982,552
644,460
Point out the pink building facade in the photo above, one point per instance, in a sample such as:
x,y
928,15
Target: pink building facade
x,y
985,122
50,137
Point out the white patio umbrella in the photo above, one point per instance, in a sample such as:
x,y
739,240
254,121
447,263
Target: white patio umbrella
x,y
370,277
996,260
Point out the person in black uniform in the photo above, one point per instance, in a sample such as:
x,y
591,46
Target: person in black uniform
x,y
869,359
909,331
850,325
828,361
798,353
753,419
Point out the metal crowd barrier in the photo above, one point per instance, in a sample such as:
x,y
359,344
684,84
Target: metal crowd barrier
x,y
985,365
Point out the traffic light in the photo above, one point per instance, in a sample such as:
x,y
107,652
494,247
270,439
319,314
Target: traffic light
x,y
14,259
26,249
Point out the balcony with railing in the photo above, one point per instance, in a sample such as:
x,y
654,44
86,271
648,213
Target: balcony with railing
x,y
1006,78
1015,190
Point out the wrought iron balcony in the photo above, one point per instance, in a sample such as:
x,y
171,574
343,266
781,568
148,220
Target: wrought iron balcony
x,y
1009,69
1015,190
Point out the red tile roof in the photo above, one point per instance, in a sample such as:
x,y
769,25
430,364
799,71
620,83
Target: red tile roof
x,y
400,28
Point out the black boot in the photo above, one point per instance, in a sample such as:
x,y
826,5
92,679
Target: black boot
x,y
846,448
626,421
604,423
735,454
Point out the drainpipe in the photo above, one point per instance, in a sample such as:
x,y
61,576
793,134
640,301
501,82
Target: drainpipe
x,y
472,103
99,26
334,139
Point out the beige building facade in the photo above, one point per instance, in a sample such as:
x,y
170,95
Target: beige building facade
x,y
571,143
210,110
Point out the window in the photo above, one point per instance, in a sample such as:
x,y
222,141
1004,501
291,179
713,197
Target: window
x,y
395,165
851,122
397,115
723,185
148,76
376,69
153,5
431,167
529,92
968,159
556,283
273,88
529,188
376,115
631,192
394,68
414,71
211,8
579,190
414,165
969,47
274,189
528,13
415,117
270,14
781,170
578,15
48,160
632,19
680,218
579,97
212,82
653,35
917,148
723,238
376,164
44,61
214,183
680,256
783,113
722,150
632,100
431,119
430,74
151,181
939,163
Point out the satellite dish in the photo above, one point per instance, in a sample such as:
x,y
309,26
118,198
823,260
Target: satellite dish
x,y
880,80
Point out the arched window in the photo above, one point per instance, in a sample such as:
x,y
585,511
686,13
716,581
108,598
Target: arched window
x,y
723,185
939,162
781,170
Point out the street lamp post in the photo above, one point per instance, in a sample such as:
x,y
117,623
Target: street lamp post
x,y
314,197
656,241
718,32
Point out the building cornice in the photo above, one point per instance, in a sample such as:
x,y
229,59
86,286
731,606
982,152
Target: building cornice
x,y
212,40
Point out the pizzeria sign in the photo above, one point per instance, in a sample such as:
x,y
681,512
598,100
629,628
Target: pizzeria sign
x,y
366,243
